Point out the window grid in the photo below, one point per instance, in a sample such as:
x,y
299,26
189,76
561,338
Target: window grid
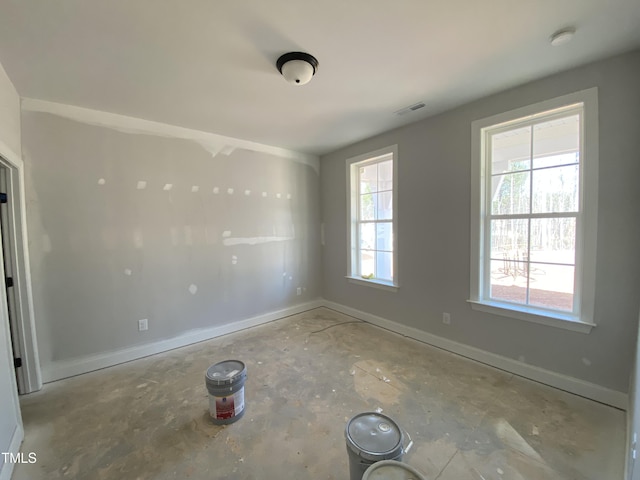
x,y
490,216
375,222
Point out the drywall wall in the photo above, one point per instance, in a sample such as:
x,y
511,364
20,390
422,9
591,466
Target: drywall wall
x,y
10,421
434,181
125,226
633,416
9,114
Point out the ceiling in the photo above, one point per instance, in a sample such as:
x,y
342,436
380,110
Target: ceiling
x,y
210,64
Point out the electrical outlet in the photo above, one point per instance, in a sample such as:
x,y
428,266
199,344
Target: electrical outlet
x,y
143,324
446,318
299,291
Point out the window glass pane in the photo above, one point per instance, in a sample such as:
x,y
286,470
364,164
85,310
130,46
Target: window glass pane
x,y
509,240
510,193
367,263
556,142
511,150
508,286
551,286
555,160
369,178
384,265
385,205
384,236
556,189
385,175
368,236
367,206
553,240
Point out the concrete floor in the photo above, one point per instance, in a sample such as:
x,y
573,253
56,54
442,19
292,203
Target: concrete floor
x,y
307,375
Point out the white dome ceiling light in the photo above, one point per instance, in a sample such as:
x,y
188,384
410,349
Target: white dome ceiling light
x,y
562,36
297,67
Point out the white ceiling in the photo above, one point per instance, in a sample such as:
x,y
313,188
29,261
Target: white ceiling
x,y
210,64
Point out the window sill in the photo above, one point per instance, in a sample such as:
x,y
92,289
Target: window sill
x,y
558,320
380,284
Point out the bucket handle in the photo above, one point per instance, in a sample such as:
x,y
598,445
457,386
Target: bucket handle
x,y
406,448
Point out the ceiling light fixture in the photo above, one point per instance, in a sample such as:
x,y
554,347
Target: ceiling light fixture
x,y
297,67
562,36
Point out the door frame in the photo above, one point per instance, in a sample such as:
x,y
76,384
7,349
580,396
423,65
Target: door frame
x,y
29,376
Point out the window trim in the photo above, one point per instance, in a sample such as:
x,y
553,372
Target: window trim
x,y
586,241
352,206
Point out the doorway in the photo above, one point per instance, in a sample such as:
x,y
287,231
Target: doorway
x,y
5,244
17,277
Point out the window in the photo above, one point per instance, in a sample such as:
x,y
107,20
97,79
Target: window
x,y
372,197
534,212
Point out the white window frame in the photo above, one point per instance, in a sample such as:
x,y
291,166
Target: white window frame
x,y
586,227
353,191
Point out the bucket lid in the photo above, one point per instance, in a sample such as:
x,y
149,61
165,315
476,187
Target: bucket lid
x,y
226,372
391,470
374,436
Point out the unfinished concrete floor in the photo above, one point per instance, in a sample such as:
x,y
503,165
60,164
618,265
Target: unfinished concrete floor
x,y
307,375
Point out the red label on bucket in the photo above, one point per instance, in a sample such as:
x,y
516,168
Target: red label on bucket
x,y
222,408
225,407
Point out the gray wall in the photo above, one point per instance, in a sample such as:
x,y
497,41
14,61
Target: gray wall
x,y
9,114
104,256
434,182
9,145
633,414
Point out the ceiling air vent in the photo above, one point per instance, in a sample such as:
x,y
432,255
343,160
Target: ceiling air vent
x,y
411,108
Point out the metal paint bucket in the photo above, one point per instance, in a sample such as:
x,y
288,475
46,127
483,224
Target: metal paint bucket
x,y
225,384
392,470
372,437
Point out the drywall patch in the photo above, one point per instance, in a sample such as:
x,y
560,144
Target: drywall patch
x,y
137,238
193,289
167,187
211,142
288,196
226,234
586,361
230,191
264,194
234,259
128,272
216,190
247,192
101,181
228,241
195,189
141,185
278,195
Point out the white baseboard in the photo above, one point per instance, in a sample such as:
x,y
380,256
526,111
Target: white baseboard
x,y
553,379
6,468
68,368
